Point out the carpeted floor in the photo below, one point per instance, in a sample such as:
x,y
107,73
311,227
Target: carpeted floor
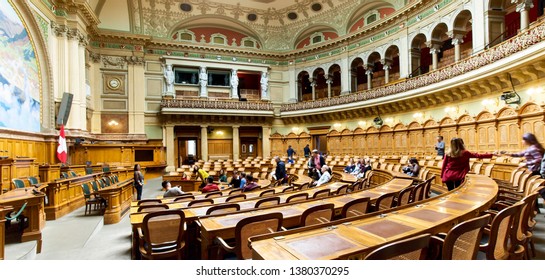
x,y
79,237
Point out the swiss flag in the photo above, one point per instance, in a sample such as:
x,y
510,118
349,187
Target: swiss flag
x,y
62,150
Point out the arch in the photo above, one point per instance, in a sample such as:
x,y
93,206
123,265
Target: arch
x,y
418,41
359,130
399,126
484,115
529,108
371,129
465,119
359,11
391,52
447,121
430,123
461,20
307,32
357,75
319,82
506,112
346,132
385,128
373,58
334,79
44,93
333,132
217,21
439,32
304,89
414,125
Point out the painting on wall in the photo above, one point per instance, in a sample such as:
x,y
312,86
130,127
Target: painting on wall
x,y
19,77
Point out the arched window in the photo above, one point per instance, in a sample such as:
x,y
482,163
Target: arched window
x,y
184,35
316,38
218,39
248,42
371,17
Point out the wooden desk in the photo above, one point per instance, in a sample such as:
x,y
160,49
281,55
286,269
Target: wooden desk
x,y
34,211
66,195
354,238
119,197
224,226
3,211
11,168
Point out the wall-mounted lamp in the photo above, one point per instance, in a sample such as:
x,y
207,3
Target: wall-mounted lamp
x,y
362,123
113,123
337,125
219,132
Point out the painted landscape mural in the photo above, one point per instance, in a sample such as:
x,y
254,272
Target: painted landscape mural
x,y
19,79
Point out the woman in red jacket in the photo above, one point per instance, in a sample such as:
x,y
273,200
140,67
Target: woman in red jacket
x,y
456,163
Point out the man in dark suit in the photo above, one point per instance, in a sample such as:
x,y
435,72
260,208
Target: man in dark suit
x,y
280,172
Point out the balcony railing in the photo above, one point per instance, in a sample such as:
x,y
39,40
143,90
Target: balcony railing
x,y
217,104
528,38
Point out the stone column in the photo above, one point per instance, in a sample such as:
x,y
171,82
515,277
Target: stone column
x,y
236,143
204,142
169,143
523,8
266,141
328,81
137,95
369,73
387,65
345,74
457,50
293,84
203,81
434,51
234,84
313,85
74,68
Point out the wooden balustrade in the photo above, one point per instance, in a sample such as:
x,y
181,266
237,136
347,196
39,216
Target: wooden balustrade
x,y
3,211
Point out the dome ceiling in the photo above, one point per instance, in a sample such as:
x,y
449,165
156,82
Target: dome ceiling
x,y
276,24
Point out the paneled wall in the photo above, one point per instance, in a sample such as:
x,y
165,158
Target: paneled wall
x,y
41,151
114,154
220,148
484,132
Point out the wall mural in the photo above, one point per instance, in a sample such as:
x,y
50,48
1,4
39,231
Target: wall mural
x,y
19,77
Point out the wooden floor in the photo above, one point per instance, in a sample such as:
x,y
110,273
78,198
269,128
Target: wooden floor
x,y
79,237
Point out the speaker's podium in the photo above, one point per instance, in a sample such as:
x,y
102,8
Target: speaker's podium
x,y
19,167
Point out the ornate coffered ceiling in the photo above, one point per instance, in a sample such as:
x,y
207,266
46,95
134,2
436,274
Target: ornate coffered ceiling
x,y
276,24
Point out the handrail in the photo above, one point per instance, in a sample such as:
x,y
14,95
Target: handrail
x,y
18,213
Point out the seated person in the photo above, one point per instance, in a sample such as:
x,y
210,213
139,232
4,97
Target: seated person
x,y
366,167
211,186
184,177
242,180
290,160
357,168
350,167
412,169
251,185
325,175
235,181
171,191
223,176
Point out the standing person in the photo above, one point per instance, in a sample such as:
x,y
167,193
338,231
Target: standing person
x,y
280,172
306,151
290,152
315,163
533,153
440,146
456,163
199,172
138,181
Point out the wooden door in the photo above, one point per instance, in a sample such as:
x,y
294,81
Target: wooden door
x,y
248,147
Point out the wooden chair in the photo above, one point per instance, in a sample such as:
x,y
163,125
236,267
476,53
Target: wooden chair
x,y
186,197
152,208
200,202
32,180
342,190
353,187
149,202
235,198
404,196
414,248
266,193
265,202
247,227
321,193
18,183
304,186
418,192
355,207
297,197
73,174
501,232
462,241
162,235
222,209
385,201
235,191
91,201
524,233
213,194
319,214
288,189
427,188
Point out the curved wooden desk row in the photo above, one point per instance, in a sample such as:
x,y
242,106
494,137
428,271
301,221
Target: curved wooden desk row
x,y
354,238
224,226
119,197
66,195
